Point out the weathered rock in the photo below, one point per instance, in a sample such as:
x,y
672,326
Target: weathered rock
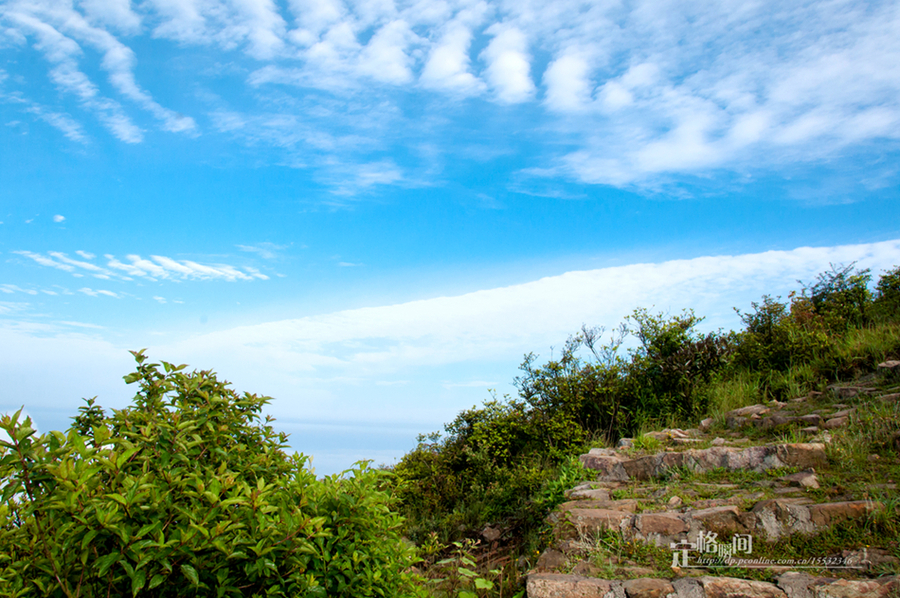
x,y
812,419
748,411
718,442
857,588
868,558
586,568
804,479
589,493
674,502
831,513
722,520
805,455
781,516
848,392
491,534
597,520
836,423
606,462
730,587
646,587
889,369
843,413
796,584
625,443
628,504
550,560
556,585
774,421
663,524
757,458
688,588
706,424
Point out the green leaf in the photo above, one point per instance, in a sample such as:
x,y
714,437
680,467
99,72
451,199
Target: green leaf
x,y
138,581
484,584
155,581
87,538
467,594
118,498
105,562
191,574
123,458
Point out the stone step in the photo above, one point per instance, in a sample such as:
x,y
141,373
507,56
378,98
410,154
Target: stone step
x,y
614,465
770,519
788,585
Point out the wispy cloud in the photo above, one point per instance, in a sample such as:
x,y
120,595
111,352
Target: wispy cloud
x,y
157,267
265,250
640,92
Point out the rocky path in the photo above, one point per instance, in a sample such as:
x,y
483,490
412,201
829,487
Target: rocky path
x,y
734,508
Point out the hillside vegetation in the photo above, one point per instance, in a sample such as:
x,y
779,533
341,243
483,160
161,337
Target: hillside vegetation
x,y
498,470
187,493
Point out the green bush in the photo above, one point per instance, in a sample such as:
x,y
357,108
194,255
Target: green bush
x,y
186,493
841,297
886,305
667,372
778,336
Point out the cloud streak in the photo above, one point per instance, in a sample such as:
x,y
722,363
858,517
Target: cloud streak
x,y
363,346
155,268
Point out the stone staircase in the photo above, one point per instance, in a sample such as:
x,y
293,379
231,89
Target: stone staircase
x,y
733,509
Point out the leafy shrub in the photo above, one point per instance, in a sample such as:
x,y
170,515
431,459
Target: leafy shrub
x,y
886,304
186,494
841,297
778,336
670,367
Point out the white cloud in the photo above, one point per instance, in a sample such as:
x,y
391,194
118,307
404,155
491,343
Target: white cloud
x,y
288,358
11,288
48,20
157,267
92,293
568,83
58,218
62,52
115,13
639,92
266,250
384,58
509,68
447,68
64,123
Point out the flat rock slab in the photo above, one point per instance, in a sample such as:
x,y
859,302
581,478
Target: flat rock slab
x,y
596,520
556,585
792,584
614,466
831,513
730,587
803,585
647,587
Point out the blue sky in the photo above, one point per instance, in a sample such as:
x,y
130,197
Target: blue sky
x,y
371,210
